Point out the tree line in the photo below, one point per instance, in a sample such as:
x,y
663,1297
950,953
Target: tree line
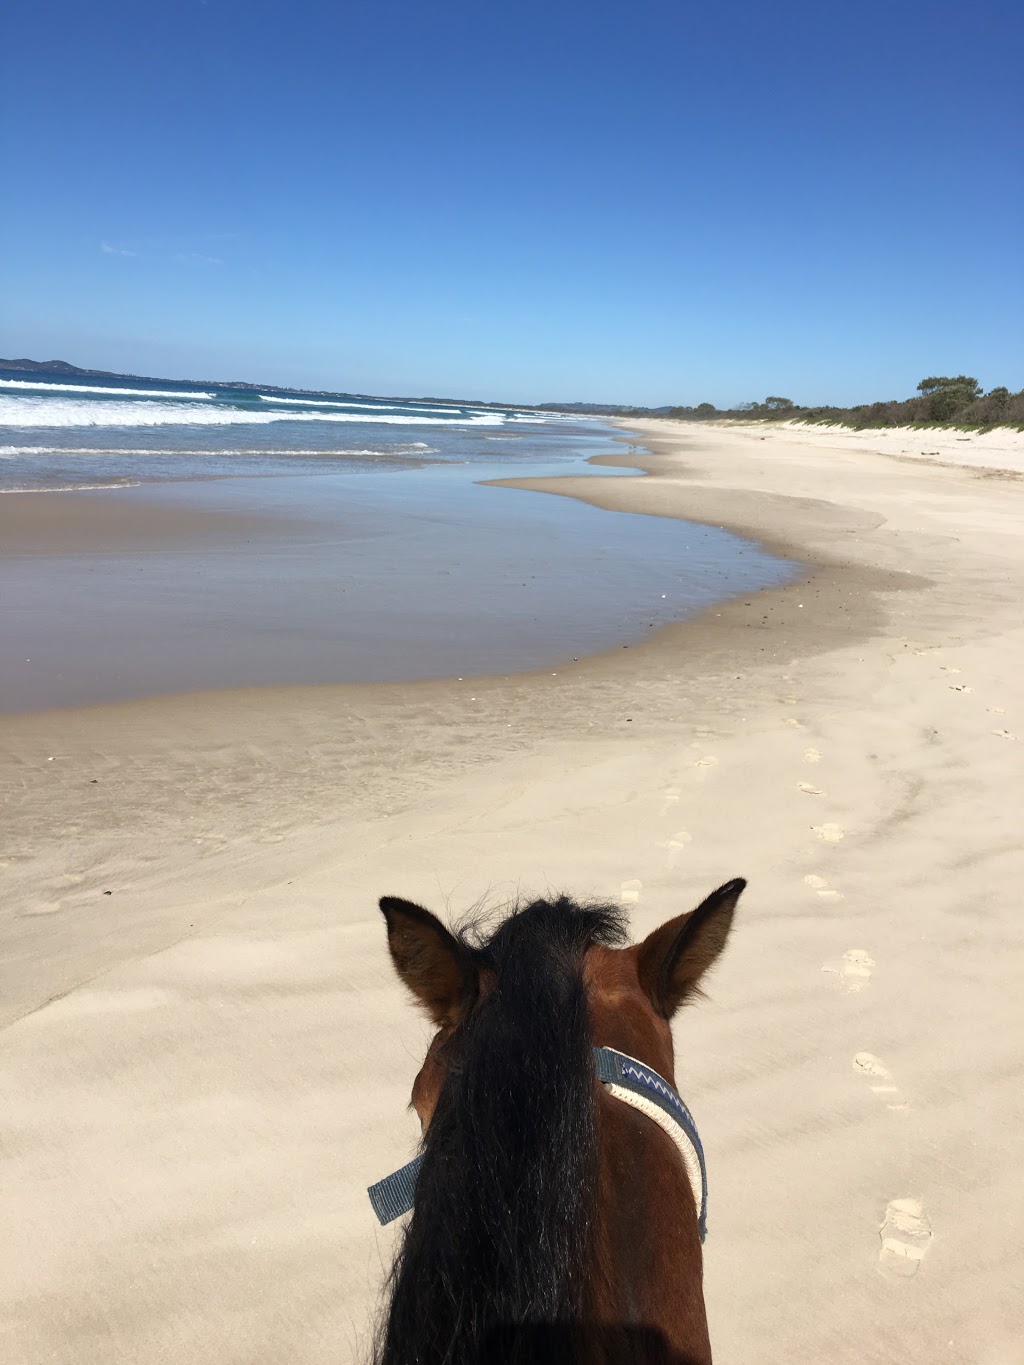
x,y
941,400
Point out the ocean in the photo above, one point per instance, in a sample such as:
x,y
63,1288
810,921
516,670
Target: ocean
x,y
244,536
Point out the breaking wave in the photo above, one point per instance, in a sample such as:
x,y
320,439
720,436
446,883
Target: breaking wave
x,y
110,391
56,412
406,450
351,403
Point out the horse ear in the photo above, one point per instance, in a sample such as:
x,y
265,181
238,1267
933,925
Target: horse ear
x,y
672,960
431,962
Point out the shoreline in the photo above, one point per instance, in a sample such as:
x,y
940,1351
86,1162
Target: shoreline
x,y
855,1070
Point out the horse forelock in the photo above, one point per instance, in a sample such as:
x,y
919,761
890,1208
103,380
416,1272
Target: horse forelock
x,y
500,1234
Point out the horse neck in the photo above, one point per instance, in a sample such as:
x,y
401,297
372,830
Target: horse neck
x,y
647,1264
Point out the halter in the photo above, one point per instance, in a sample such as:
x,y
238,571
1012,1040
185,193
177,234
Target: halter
x,y
628,1080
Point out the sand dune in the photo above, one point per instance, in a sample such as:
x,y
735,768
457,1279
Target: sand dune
x,y
203,1069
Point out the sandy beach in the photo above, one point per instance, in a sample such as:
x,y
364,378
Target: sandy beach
x,y
206,1058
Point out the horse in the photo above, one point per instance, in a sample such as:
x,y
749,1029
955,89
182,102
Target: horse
x,y
558,1203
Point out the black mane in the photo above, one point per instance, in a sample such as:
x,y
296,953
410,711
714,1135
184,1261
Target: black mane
x,y
499,1235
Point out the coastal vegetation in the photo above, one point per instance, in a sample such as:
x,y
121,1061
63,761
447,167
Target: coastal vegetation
x,y
940,401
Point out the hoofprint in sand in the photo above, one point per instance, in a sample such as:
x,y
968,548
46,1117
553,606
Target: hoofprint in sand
x,y
204,1068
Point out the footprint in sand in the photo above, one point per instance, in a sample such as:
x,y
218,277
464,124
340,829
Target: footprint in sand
x,y
1003,734
629,892
70,879
853,969
825,889
830,832
812,756
809,788
960,687
703,764
793,723
948,668
669,798
906,1235
880,1081
674,846
41,908
996,710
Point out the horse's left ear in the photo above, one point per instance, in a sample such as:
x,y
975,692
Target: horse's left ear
x,y
672,960
434,965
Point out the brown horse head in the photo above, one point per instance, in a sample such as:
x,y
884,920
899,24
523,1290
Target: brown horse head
x,y
552,1221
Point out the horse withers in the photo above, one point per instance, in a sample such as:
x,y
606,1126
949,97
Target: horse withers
x,y
558,1203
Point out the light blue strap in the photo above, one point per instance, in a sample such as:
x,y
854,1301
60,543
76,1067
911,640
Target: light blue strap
x,y
396,1193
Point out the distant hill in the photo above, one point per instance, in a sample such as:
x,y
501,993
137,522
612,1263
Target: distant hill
x,y
64,367
58,367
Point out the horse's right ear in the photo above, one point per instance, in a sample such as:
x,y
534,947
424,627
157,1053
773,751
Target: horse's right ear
x,y
434,965
672,960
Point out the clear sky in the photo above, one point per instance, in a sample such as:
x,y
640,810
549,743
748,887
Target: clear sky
x,y
644,201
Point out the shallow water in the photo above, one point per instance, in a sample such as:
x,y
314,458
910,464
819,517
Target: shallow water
x,y
267,555
354,578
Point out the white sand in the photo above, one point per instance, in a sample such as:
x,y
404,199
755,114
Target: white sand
x,y
202,1071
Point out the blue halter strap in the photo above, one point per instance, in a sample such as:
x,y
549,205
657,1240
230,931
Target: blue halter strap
x,y
396,1194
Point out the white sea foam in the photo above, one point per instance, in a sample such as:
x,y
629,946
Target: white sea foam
x,y
74,487
408,450
374,404
110,391
65,412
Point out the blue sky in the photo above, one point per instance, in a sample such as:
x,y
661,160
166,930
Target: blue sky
x,y
642,202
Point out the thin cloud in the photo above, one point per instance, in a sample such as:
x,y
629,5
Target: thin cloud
x,y
111,250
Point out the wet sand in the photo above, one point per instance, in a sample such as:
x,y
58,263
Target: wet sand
x,y
204,1069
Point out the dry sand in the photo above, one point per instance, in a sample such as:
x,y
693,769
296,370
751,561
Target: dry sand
x,y
204,1069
